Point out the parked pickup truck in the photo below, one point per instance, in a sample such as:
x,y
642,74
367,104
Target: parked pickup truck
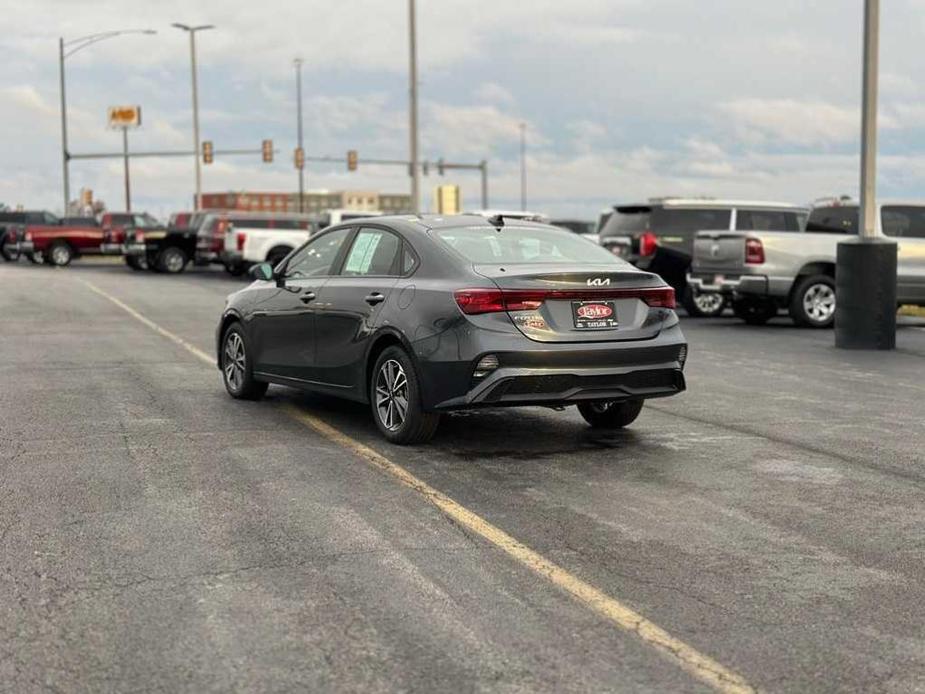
x,y
116,226
247,245
164,249
13,224
763,271
57,244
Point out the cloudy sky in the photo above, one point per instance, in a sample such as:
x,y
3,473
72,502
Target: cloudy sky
x,y
623,99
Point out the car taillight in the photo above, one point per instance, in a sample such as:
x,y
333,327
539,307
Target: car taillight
x,y
27,236
754,252
241,238
476,301
647,244
139,237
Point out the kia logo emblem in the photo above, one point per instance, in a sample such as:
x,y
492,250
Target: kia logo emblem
x,y
599,282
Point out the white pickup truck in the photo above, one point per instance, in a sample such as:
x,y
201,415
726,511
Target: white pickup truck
x,y
249,243
763,271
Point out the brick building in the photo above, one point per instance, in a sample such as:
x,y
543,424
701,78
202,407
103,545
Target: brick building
x,y
315,201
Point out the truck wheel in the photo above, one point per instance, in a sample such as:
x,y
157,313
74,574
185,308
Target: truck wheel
x,y
813,302
9,256
276,255
703,304
172,260
36,257
237,368
607,414
395,398
60,254
136,262
754,311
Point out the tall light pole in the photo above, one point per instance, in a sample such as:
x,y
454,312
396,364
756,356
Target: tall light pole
x,y
865,276
523,167
65,50
298,92
192,49
413,110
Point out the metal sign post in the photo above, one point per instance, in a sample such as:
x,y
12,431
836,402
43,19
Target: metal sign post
x,y
123,118
865,275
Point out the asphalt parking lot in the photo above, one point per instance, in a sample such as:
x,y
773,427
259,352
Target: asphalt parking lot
x,y
157,535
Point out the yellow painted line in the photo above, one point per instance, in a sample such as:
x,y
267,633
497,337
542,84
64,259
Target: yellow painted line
x,y
192,349
686,657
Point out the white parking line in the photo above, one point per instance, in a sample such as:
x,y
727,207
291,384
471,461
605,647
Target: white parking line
x,y
625,618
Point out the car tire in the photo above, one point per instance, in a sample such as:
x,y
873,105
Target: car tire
x,y
237,368
136,263
236,270
9,256
812,304
604,414
172,260
36,258
754,311
60,254
394,380
703,305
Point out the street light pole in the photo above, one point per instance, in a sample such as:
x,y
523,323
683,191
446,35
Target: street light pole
x,y
865,275
75,45
523,167
413,110
192,47
298,91
64,153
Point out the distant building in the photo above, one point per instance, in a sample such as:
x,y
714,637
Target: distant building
x,y
314,201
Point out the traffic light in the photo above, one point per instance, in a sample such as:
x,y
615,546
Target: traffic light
x,y
351,160
299,158
267,149
440,168
208,153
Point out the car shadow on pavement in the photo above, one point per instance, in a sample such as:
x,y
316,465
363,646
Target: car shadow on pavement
x,y
522,434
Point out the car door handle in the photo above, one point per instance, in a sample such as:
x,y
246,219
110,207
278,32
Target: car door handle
x,y
374,298
306,297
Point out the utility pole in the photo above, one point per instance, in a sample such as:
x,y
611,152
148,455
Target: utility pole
x,y
483,168
865,276
523,167
192,47
298,91
128,195
413,108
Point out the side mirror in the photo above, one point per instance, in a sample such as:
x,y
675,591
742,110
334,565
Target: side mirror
x,y
261,271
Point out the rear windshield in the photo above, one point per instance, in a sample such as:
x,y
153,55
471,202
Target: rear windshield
x,y
627,221
769,220
634,220
515,244
833,220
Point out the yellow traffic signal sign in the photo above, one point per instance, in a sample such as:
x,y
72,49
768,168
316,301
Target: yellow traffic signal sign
x,y
351,160
208,153
299,158
267,150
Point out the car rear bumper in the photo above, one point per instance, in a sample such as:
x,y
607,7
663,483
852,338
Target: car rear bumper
x,y
19,247
751,285
554,374
111,248
134,249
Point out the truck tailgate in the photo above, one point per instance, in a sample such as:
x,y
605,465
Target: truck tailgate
x,y
719,251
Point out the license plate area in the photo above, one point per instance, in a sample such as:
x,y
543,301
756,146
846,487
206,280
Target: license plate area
x,y
594,315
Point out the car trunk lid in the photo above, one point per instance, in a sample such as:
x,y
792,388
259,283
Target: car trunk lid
x,y
719,251
579,303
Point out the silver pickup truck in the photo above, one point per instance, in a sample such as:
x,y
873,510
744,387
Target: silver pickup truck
x,y
763,271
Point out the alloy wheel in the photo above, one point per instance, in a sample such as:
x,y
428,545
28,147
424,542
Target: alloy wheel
x,y
60,255
391,395
708,303
819,302
173,262
234,361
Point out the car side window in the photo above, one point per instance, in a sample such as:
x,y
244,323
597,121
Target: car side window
x,y
317,256
375,252
409,261
767,220
833,220
906,221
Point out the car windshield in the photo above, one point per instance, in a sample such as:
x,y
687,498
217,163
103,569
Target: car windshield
x,y
523,244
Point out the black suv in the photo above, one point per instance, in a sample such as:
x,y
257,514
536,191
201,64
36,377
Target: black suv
x,y
659,236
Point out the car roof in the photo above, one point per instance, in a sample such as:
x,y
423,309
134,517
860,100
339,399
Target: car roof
x,y
713,203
